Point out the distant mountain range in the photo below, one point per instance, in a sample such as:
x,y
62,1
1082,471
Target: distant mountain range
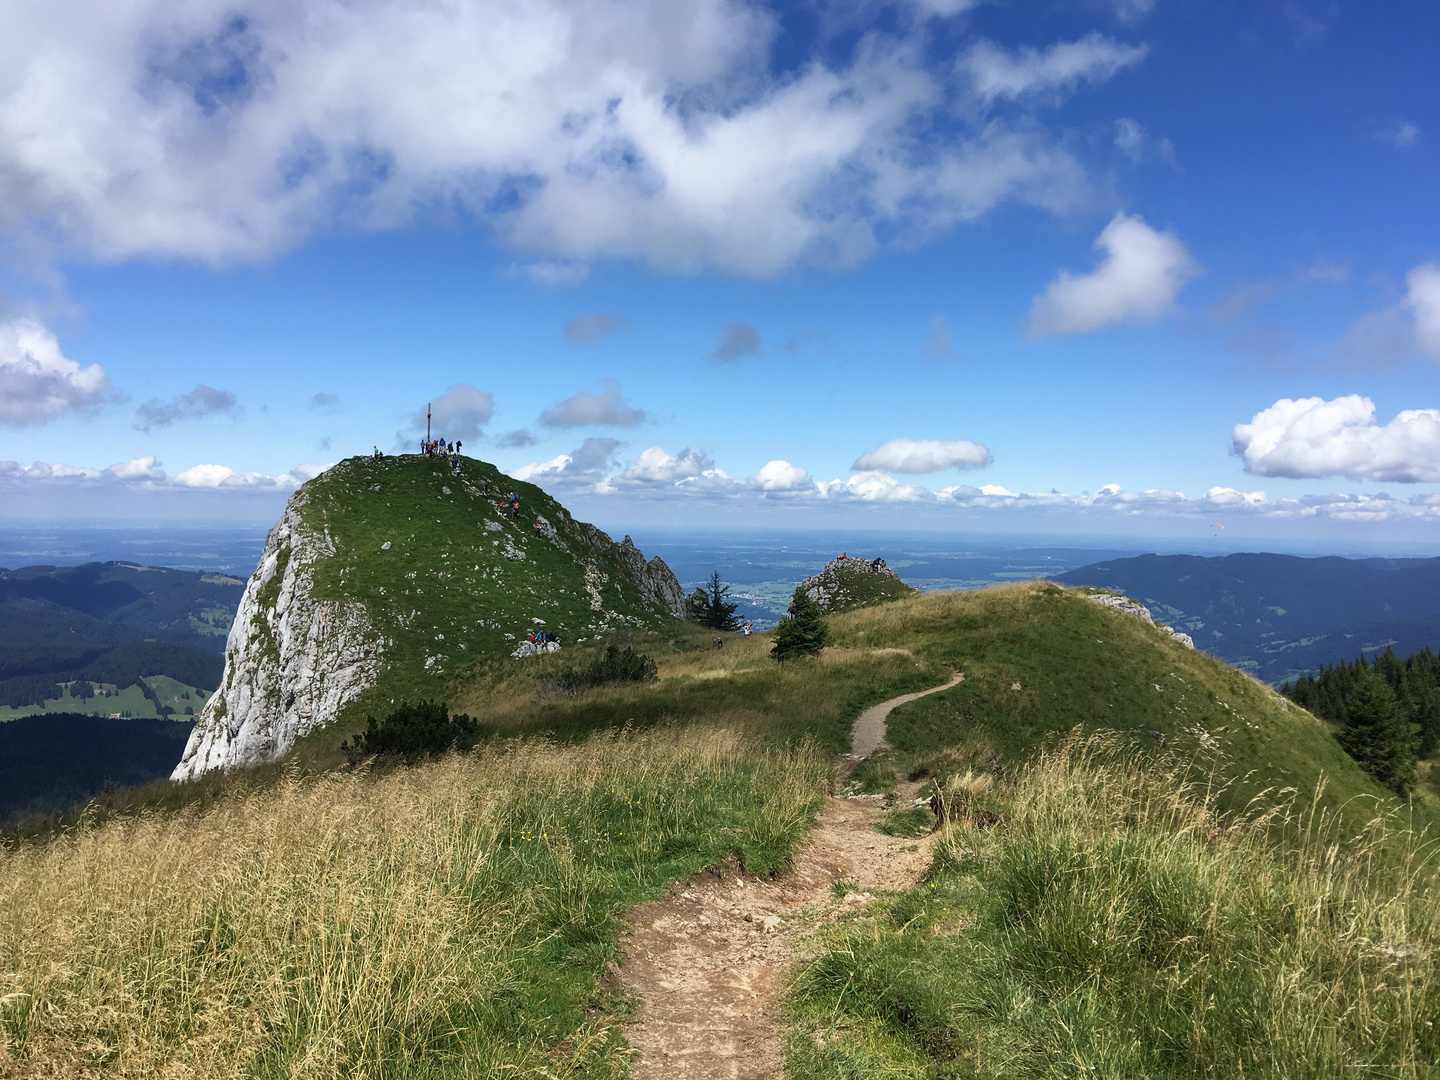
x,y
69,631
1276,616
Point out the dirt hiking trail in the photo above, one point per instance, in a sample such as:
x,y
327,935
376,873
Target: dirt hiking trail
x,y
868,734
709,963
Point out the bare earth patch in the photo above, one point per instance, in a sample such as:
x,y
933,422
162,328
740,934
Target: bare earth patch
x,y
709,962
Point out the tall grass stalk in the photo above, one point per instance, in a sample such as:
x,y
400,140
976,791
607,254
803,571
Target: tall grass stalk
x,y
1113,924
448,919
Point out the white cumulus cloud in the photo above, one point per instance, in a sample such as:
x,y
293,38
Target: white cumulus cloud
x,y
229,130
1138,281
924,456
780,475
655,466
460,413
145,474
37,382
1311,438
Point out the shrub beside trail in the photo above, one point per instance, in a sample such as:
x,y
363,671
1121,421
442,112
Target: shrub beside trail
x,y
451,919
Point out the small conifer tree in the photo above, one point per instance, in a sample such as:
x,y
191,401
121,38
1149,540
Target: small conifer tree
x,y
714,608
803,631
1378,735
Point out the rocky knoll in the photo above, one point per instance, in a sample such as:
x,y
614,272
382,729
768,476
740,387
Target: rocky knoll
x,y
385,580
854,582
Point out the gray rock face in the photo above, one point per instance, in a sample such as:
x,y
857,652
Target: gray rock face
x,y
1137,610
291,661
531,648
657,582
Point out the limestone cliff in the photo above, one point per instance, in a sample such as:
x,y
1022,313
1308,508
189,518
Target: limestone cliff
x,y
389,580
291,660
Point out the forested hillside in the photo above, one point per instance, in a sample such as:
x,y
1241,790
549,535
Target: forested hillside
x,y
72,637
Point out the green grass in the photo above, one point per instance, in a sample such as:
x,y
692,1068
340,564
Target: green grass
x,y
1112,925
448,920
739,687
1079,665
1113,921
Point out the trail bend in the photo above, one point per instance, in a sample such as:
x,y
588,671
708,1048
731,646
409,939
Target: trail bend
x,y
868,734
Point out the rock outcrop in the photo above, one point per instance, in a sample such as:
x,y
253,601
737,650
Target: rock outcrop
x,y
291,660
854,582
385,579
657,583
1137,610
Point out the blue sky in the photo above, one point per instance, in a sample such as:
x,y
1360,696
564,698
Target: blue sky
x,y
1115,267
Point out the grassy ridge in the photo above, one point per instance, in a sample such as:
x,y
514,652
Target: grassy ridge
x,y
454,919
447,920
1078,664
1113,925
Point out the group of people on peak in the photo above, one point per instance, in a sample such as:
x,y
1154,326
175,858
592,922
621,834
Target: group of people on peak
x,y
875,564
441,449
540,637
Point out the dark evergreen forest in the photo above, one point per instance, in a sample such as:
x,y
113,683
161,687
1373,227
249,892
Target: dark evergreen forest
x,y
1389,709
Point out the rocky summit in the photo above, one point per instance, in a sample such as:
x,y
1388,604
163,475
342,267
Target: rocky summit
x,y
385,579
854,582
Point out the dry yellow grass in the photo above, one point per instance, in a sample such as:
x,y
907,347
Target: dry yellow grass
x,y
354,925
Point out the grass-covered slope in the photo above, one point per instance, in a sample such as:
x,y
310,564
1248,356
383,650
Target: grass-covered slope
x,y
449,920
455,918
1113,923
1040,660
